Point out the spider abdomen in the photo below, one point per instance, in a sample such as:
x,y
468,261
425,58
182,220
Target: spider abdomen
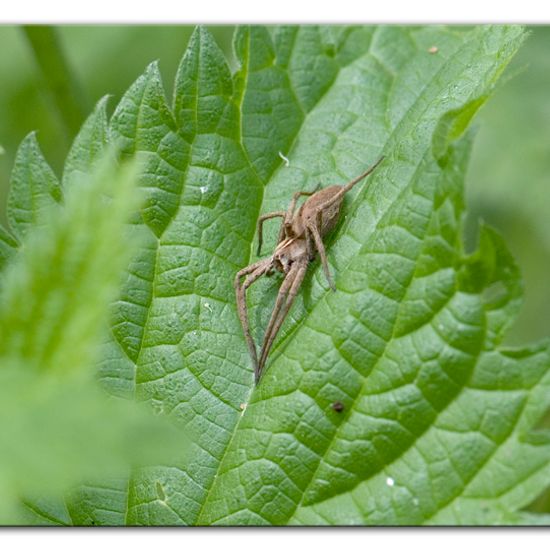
x,y
329,213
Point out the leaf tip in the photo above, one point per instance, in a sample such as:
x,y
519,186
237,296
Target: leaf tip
x,y
30,140
102,103
152,70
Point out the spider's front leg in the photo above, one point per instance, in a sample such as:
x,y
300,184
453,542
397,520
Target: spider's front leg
x,y
261,220
253,272
286,229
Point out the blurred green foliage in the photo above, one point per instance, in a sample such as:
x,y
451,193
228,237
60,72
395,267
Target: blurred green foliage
x,y
508,181
58,428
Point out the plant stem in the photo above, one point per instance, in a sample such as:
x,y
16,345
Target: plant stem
x,y
58,76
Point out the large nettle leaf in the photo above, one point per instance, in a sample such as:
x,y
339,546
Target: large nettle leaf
x,y
439,419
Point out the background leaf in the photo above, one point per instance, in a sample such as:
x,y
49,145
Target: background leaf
x,y
7,246
437,420
509,177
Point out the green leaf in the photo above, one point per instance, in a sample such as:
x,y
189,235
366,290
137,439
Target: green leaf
x,y
33,188
437,425
60,262
88,145
8,246
170,288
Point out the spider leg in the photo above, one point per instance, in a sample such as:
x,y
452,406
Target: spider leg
x,y
349,185
261,220
309,245
313,228
254,272
287,293
287,223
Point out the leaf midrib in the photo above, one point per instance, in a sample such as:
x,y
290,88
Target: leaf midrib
x,y
305,117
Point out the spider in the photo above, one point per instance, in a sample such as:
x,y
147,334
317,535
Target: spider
x,y
300,239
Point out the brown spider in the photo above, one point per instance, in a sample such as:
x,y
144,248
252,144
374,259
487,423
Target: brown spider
x,y
300,238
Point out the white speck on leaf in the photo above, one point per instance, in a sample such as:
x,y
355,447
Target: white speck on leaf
x,y
204,189
390,482
285,159
242,406
208,307
433,49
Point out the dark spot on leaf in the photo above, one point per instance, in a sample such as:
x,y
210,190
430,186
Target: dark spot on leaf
x,y
330,50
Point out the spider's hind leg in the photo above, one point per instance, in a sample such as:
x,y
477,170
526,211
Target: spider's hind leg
x,y
313,228
287,293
